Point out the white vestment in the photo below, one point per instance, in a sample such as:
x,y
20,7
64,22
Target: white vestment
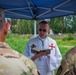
x,y
45,65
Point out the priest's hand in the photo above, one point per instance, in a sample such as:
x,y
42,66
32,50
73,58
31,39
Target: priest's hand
x,y
37,55
48,56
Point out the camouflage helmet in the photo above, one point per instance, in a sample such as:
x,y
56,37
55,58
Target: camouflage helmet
x,y
68,64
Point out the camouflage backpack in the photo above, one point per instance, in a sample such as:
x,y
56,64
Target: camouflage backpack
x,y
68,64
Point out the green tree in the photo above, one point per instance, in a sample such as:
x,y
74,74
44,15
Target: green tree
x,y
56,25
24,26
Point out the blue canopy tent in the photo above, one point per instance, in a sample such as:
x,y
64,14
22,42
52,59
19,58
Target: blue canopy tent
x,y
37,9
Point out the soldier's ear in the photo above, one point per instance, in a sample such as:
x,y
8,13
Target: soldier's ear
x,y
6,29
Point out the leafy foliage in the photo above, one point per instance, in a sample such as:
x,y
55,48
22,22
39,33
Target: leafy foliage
x,y
58,25
55,25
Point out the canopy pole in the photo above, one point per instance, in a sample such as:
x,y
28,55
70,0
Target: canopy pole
x,y
34,28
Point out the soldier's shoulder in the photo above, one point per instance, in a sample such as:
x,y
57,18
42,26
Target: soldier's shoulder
x,y
28,61
68,66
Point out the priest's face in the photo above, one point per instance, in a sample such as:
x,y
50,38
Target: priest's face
x,y
43,30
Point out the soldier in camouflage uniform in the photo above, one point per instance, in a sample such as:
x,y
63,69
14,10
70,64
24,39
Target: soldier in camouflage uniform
x,y
68,64
12,62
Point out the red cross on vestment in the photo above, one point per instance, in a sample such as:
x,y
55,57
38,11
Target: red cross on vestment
x,y
52,46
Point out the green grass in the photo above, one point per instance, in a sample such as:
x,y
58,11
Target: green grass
x,y
65,46
18,42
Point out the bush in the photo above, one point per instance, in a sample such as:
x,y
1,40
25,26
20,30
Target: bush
x,y
68,37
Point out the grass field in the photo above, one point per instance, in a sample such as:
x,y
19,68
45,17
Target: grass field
x,y
18,42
